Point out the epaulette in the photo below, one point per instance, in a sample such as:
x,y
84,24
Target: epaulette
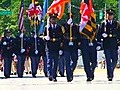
x,y
117,22
63,29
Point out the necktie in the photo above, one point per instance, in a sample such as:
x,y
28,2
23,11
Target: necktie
x,y
110,22
53,26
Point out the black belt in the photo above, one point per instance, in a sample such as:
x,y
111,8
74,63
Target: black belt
x,y
54,39
70,38
111,35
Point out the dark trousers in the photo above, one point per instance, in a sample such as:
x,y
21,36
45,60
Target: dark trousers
x,y
20,66
70,56
34,64
111,60
89,54
52,63
45,63
7,66
61,64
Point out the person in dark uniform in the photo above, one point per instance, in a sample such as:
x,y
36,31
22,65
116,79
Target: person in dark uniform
x,y
70,46
44,58
36,45
89,55
110,33
7,45
53,40
21,47
61,62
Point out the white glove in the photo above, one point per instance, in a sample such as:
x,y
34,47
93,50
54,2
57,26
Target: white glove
x,y
119,47
98,47
22,50
60,52
13,54
21,35
36,51
69,21
47,37
4,43
79,52
35,36
104,35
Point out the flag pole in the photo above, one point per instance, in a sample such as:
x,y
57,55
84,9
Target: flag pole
x,y
70,13
35,27
105,18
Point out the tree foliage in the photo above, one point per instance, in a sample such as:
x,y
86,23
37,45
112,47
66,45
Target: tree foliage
x,y
11,21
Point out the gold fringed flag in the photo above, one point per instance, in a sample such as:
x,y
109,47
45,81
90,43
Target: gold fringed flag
x,y
34,10
88,19
57,7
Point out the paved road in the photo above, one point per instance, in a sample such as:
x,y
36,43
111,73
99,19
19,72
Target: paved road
x,y
79,83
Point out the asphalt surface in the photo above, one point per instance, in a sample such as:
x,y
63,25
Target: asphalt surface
x,y
79,82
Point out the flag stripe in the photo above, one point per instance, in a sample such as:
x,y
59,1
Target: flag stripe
x,y
21,16
89,17
57,7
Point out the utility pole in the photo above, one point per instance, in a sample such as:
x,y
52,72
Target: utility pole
x,y
119,11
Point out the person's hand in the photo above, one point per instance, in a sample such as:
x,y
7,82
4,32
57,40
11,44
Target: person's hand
x,y
22,50
35,36
60,52
13,54
69,21
79,52
47,38
21,35
104,35
4,43
36,51
98,48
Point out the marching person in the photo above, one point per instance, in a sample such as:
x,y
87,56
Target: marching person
x,y
36,45
110,33
7,47
21,46
53,41
70,46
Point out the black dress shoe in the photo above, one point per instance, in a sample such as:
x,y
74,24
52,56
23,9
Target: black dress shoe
x,y
50,78
110,79
89,79
55,80
34,76
70,79
20,76
7,76
62,75
46,75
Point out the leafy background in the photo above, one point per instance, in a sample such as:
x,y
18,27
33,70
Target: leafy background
x,y
11,21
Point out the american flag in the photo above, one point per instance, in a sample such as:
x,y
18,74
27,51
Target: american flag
x,y
21,16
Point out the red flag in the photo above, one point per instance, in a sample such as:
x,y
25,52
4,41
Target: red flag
x,y
57,7
21,16
88,19
33,9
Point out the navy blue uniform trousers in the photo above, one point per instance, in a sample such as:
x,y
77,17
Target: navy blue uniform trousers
x,y
111,60
7,66
70,56
89,54
52,63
